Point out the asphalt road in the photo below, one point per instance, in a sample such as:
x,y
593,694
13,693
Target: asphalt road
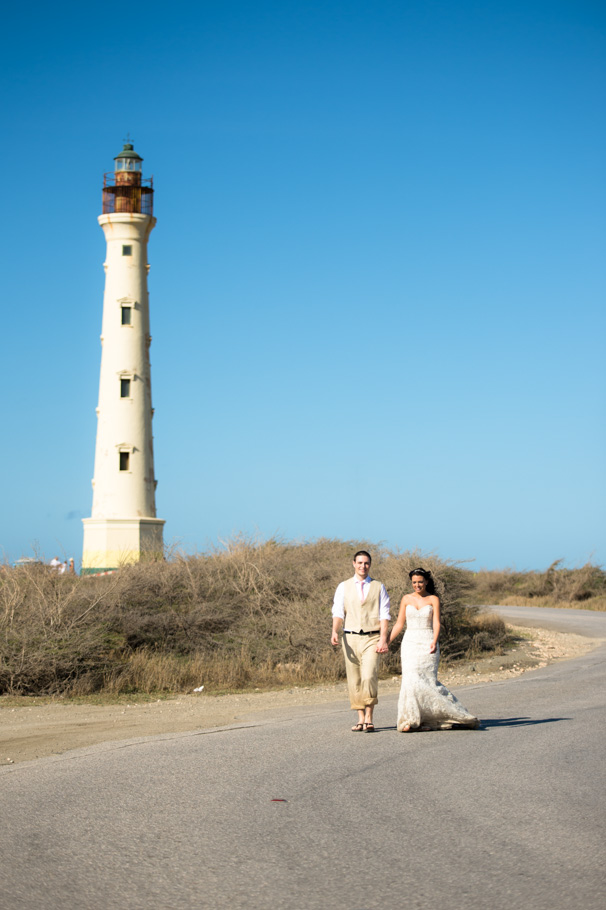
x,y
508,816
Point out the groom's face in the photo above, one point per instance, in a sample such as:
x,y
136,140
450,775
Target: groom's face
x,y
361,566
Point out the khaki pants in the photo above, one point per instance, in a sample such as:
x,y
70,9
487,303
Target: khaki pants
x,y
362,666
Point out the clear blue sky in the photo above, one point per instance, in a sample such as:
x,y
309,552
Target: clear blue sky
x,y
378,279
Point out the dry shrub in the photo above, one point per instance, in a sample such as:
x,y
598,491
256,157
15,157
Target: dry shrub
x,y
490,634
557,587
250,614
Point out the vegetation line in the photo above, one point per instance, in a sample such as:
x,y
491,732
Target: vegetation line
x,y
250,614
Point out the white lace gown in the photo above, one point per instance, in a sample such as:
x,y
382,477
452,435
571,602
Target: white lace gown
x,y
423,699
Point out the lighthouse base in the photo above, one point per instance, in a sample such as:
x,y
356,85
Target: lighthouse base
x,y
110,543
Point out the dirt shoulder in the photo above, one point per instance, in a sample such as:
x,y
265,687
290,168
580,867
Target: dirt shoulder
x,y
36,730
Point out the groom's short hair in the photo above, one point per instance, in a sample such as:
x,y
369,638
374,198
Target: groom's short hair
x,y
362,553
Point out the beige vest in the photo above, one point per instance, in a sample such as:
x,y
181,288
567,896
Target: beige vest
x,y
361,617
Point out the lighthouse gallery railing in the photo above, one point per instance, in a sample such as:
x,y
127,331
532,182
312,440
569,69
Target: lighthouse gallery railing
x,y
126,197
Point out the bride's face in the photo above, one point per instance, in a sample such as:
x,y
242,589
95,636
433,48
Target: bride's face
x,y
419,585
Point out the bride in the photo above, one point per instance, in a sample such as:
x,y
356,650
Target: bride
x,y
424,703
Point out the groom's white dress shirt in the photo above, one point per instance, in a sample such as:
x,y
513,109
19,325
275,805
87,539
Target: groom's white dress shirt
x,y
338,606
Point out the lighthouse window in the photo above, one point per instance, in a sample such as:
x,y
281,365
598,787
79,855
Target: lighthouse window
x,y
124,461
125,388
127,251
126,314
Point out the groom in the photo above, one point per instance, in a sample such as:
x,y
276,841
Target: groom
x,y
361,609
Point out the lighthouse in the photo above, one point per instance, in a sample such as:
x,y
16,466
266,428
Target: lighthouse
x,y
123,527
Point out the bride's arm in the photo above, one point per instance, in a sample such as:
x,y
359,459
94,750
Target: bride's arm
x,y
400,621
436,624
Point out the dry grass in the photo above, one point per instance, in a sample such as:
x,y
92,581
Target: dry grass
x,y
583,587
252,614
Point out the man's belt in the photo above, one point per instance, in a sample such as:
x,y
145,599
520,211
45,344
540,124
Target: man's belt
x,y
349,632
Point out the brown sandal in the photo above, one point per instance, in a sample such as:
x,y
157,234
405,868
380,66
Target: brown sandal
x,y
369,728
357,728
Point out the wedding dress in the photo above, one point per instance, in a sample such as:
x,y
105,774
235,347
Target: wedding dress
x,y
424,701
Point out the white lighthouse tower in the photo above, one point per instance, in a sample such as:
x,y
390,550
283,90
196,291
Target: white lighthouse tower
x,y
123,527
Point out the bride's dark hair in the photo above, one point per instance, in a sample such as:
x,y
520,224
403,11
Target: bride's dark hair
x,y
431,588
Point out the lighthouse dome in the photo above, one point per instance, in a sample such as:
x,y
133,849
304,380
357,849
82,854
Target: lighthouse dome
x,y
128,159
